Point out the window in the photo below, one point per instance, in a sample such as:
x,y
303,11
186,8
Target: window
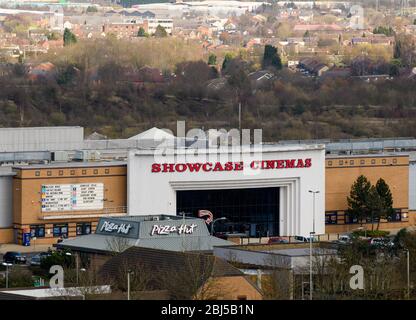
x,y
349,219
37,173
396,216
331,218
60,230
37,231
83,228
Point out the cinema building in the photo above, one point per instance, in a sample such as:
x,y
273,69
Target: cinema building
x,y
260,193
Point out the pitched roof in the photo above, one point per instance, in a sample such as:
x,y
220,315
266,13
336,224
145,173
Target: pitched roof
x,y
165,262
152,134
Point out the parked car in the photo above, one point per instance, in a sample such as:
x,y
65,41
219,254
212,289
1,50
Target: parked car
x,y
344,239
37,259
304,239
14,257
381,242
274,240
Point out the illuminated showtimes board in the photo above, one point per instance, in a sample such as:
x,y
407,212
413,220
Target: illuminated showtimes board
x,y
72,197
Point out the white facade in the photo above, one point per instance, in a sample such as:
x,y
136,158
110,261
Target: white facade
x,y
155,192
6,201
41,139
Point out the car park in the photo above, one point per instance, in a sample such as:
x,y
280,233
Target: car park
x,y
14,257
274,240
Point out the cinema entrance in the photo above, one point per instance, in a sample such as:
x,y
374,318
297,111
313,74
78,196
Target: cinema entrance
x,y
252,211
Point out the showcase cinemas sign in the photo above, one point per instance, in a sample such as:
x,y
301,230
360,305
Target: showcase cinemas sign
x,y
168,229
231,166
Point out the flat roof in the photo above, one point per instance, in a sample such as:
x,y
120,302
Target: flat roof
x,y
239,149
89,164
301,252
6,171
368,155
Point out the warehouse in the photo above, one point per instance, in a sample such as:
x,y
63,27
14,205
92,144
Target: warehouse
x,y
261,193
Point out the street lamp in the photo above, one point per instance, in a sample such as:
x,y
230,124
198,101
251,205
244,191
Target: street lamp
x,y
313,221
213,222
129,272
408,272
7,265
311,235
76,264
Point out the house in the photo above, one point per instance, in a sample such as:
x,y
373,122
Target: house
x,y
185,275
261,78
313,66
45,70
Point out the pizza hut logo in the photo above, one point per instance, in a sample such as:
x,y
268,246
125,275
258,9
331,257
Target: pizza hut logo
x,y
168,229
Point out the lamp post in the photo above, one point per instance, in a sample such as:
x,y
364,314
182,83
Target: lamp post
x,y
7,265
408,272
128,283
311,235
213,222
76,264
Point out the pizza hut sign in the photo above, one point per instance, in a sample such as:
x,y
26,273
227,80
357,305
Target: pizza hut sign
x,y
168,229
122,228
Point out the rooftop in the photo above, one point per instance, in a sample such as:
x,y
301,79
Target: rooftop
x,y
56,165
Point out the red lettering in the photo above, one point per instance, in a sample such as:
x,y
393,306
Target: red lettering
x,y
194,167
308,163
228,166
205,168
168,167
254,165
180,167
156,167
280,164
238,166
218,167
300,164
290,163
270,164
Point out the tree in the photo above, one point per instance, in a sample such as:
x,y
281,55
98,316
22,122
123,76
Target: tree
x,y
358,199
384,192
227,58
160,32
212,59
271,58
92,9
142,32
69,37
374,206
